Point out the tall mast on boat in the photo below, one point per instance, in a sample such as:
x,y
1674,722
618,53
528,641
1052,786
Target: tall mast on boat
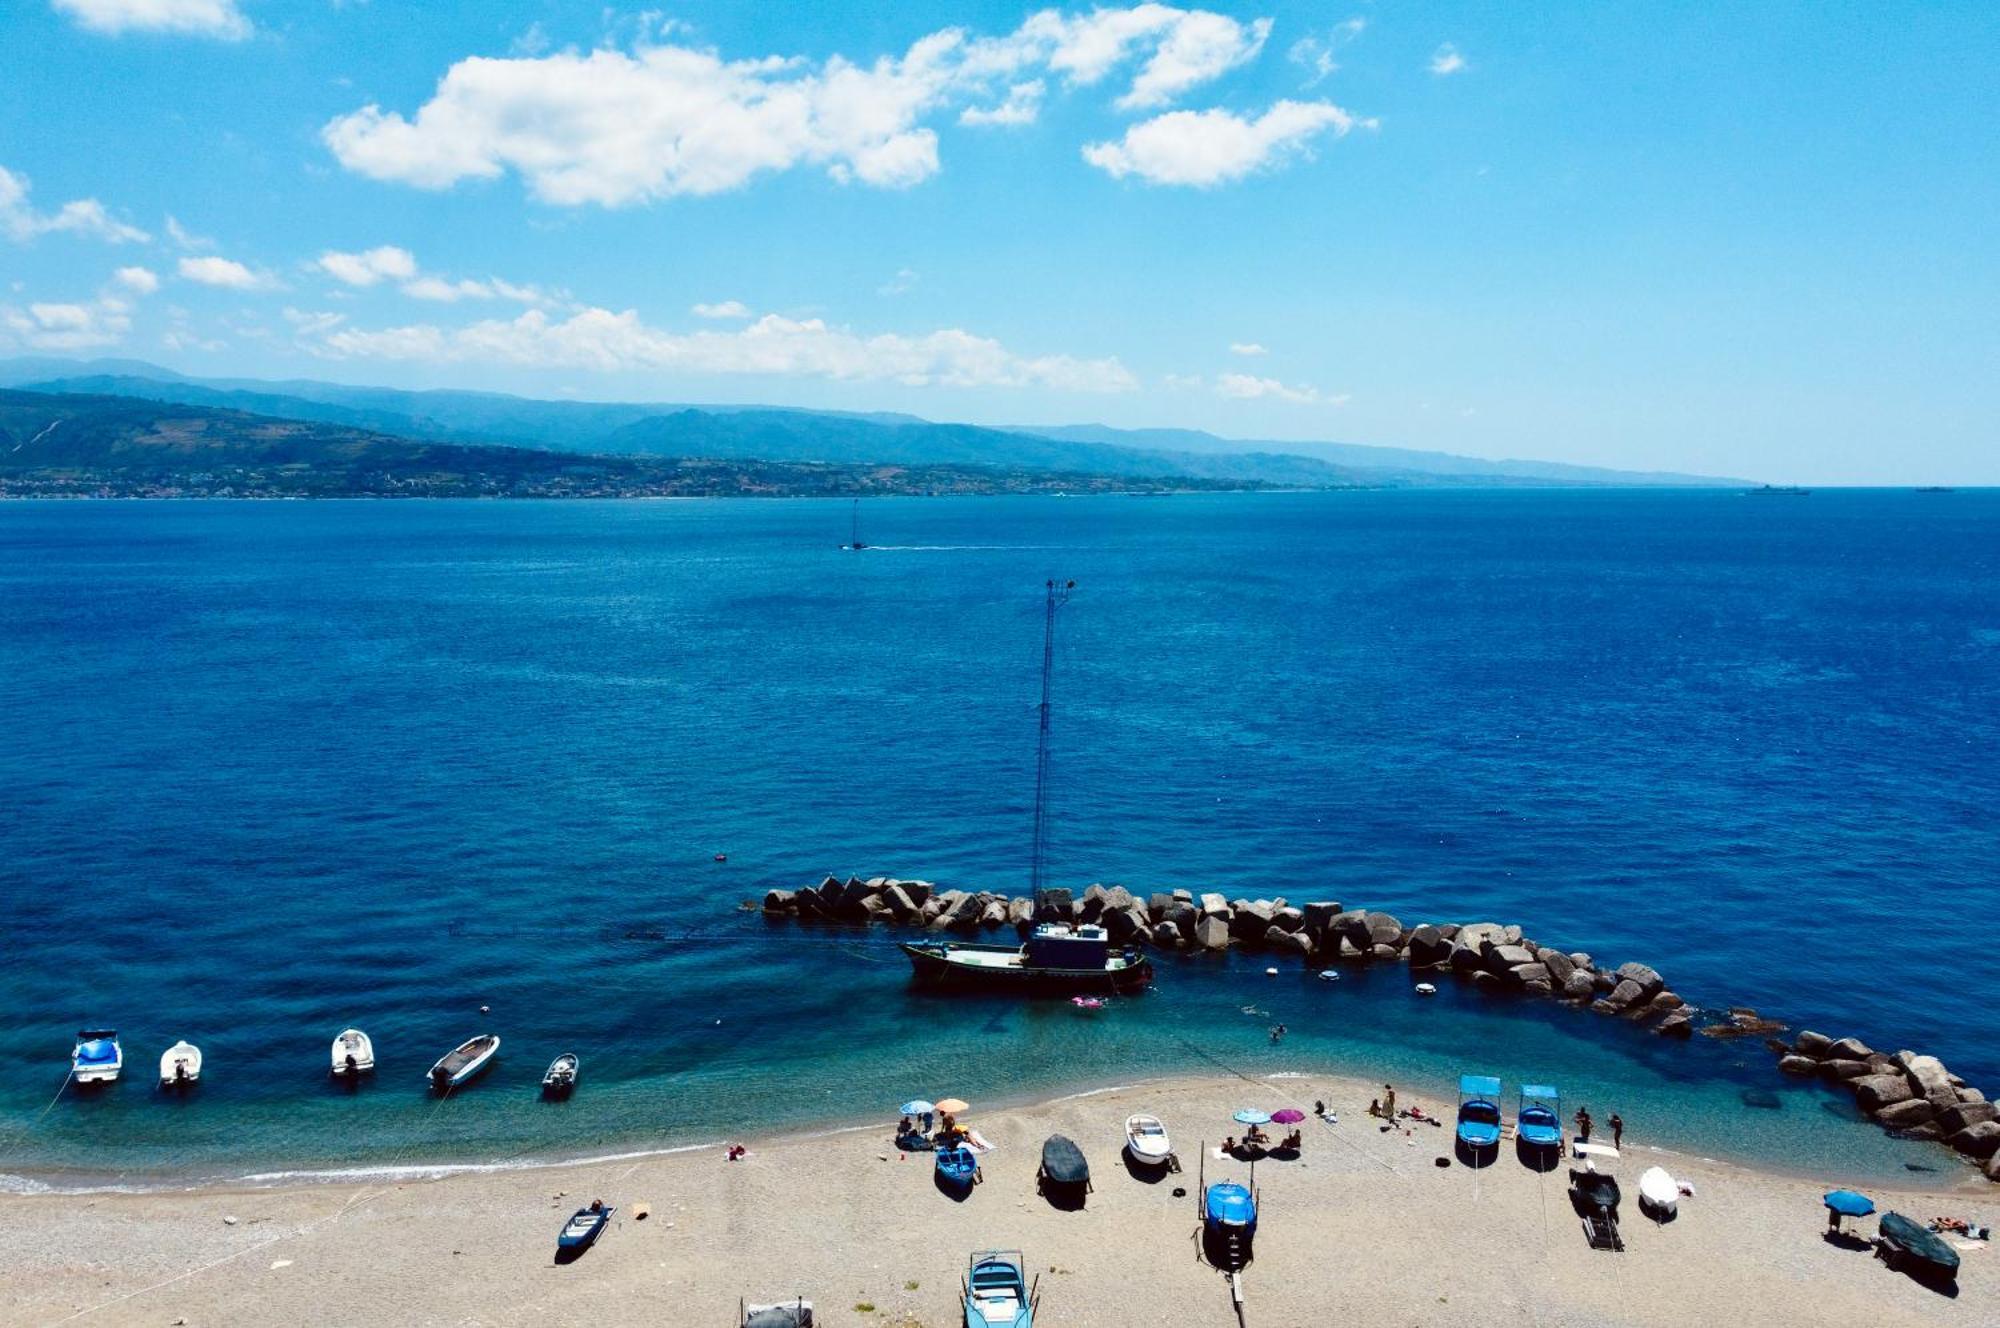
x,y
1058,595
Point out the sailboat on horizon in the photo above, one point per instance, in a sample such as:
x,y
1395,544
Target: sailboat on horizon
x,y
854,542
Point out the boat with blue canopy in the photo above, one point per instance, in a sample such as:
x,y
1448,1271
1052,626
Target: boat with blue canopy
x,y
1538,1123
1478,1111
997,1291
957,1167
97,1058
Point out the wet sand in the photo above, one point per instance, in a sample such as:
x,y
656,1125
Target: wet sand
x,y
1363,1227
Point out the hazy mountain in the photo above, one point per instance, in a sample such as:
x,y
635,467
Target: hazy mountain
x,y
774,433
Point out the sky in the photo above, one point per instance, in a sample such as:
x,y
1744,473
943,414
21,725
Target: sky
x,y
1753,239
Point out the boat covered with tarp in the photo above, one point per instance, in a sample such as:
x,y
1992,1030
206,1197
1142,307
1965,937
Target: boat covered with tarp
x,y
1908,1245
97,1057
790,1314
1063,1164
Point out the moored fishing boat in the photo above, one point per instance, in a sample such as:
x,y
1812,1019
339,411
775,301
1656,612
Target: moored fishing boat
x,y
1056,957
180,1065
353,1054
97,1058
470,1057
560,1081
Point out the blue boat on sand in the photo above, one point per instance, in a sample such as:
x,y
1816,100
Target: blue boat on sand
x,y
957,1168
1478,1113
1538,1123
997,1292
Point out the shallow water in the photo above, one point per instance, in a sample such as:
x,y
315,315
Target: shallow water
x,y
270,769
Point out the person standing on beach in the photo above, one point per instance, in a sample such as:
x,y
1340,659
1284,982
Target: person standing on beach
x,y
1617,1130
1583,1125
1388,1102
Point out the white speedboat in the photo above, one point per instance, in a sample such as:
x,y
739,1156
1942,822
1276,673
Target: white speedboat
x,y
468,1058
560,1081
353,1054
98,1058
1659,1193
180,1065
1146,1139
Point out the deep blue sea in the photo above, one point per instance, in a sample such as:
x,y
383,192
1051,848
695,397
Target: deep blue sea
x,y
269,769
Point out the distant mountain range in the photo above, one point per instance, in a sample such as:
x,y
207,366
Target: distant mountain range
x,y
779,434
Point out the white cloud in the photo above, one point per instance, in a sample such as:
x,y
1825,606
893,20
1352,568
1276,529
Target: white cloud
x,y
616,127
224,272
202,18
312,323
905,278
102,322
20,223
726,309
1023,104
139,279
1207,148
370,266
1248,387
185,239
604,341
1318,53
1247,348
1446,60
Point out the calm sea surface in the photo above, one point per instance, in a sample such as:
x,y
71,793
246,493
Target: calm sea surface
x,y
269,769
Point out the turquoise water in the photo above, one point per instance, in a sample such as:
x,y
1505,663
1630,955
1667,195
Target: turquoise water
x,y
271,769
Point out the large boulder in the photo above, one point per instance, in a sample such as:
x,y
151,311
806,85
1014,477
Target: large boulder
x,y
1214,906
1511,935
1809,1043
1428,946
1578,986
1184,895
1560,965
1249,919
1502,958
1384,929
1122,924
1320,913
1907,1115
1626,994
1091,907
1167,936
1876,1091
1648,980
779,901
875,908
1981,1140
1158,904
1960,1116
1928,1076
1838,1070
994,914
1118,897
1288,919
1851,1049
918,891
1212,933
1055,905
1679,1024
1351,924
1532,975
1020,909
1182,917
1993,1167
1289,942
1465,958
1798,1065
1384,951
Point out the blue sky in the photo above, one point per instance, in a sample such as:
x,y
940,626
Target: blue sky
x,y
1746,239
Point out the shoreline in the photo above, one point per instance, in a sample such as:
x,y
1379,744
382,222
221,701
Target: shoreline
x,y
835,1216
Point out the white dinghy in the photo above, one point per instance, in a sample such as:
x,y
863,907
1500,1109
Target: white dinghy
x,y
1146,1140
1659,1193
353,1054
180,1065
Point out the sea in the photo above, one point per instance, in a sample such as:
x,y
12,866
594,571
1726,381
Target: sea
x,y
270,769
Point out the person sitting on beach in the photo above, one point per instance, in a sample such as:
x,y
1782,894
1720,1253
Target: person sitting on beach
x,y
597,1205
1416,1113
1293,1141
1229,1143
736,1151
1374,1106
1253,1135
905,1128
1319,1108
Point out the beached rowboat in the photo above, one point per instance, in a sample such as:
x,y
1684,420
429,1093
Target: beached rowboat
x,y
997,1294
1146,1140
462,1062
583,1229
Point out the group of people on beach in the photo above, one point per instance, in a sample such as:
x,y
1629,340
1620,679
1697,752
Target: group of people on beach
x,y
1584,1124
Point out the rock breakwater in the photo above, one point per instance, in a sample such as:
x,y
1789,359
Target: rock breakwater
x,y
1912,1095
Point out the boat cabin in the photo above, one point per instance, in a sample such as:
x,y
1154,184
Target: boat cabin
x,y
1059,945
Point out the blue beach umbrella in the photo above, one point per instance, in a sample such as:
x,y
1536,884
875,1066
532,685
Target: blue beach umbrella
x,y
1849,1204
918,1107
1252,1116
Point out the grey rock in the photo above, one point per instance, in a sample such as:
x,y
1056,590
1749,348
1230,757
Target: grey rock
x,y
1167,936
1850,1049
1981,1140
1679,1024
1798,1065
1966,1094
1625,994
1604,981
1122,924
875,908
1578,986
1157,906
1384,951
1928,1076
1056,905
1020,909
1319,914
1510,935
1906,1115
780,901
1560,965
1532,975
1212,933
994,914
1875,1091
1648,980
1993,1167
1603,1007
1663,1002
1289,942
1249,922
1809,1043
1384,929
1091,907
1182,916
1959,1117
1214,906
1184,896
1538,987
918,891
1928,1131
1428,946
1117,898
1839,1070
1352,924
1505,957
1478,934
1581,958
1288,919
1466,958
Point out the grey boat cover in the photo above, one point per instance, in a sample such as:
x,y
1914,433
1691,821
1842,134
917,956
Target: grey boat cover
x,y
1918,1242
1062,1161
797,1315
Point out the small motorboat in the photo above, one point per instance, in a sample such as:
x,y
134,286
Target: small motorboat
x,y
1659,1194
97,1058
1427,989
1146,1141
957,1167
583,1229
1478,1112
469,1058
180,1065
997,1292
1905,1245
353,1054
560,1081
1538,1123
1064,1174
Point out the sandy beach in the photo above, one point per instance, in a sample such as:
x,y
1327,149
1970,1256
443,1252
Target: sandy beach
x,y
1363,1227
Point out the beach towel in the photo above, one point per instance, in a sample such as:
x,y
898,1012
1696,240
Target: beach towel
x,y
976,1141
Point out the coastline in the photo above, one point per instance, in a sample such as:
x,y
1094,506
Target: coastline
x,y
1364,1216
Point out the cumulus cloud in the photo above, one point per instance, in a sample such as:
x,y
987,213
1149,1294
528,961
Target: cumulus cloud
x,y
1248,387
605,341
140,280
51,326
201,18
726,309
212,270
20,223
1247,348
370,266
616,127
1208,148
1023,104
1446,61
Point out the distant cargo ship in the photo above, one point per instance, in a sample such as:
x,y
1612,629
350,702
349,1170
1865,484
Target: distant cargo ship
x,y
1778,491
